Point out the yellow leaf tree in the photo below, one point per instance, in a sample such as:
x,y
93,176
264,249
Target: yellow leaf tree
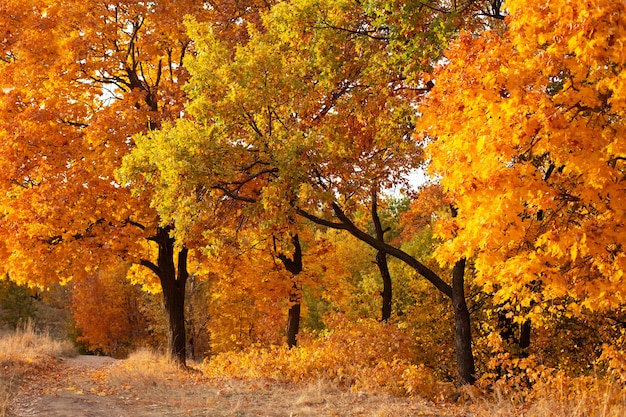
x,y
528,130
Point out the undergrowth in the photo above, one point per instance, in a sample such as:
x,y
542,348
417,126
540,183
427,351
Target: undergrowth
x,y
368,356
552,394
145,370
365,356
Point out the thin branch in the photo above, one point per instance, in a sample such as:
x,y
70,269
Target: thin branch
x,y
233,195
73,124
134,223
359,32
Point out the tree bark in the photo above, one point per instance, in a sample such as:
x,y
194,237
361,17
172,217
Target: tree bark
x,y
463,331
173,277
524,336
507,329
294,266
173,280
381,260
174,300
386,293
293,324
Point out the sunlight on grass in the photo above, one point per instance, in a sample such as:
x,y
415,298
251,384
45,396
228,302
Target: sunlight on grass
x,y
151,376
555,397
144,369
24,352
27,344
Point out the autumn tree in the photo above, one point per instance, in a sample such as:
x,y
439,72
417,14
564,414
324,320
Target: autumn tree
x,y
114,324
253,295
79,79
311,116
528,130
241,180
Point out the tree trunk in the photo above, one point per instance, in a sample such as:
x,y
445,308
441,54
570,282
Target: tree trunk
x,y
174,300
293,324
386,293
463,332
507,329
506,326
381,259
456,291
173,279
294,266
524,336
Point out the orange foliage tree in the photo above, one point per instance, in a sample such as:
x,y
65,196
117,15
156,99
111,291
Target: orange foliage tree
x,y
78,79
114,324
529,129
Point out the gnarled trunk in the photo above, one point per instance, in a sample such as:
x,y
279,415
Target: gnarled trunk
x,y
294,266
173,280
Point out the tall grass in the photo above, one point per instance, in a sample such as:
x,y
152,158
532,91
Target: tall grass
x,y
145,370
556,396
27,344
24,352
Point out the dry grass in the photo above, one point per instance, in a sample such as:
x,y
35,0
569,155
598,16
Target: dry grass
x,y
148,379
583,397
160,382
25,352
558,397
5,396
147,372
27,344
143,368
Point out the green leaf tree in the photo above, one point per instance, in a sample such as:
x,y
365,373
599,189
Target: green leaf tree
x,y
312,116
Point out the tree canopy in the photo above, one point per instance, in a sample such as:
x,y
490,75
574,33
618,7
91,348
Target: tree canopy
x,y
254,161
528,140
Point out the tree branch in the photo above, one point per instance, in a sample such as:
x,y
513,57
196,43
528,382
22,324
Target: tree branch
x,y
320,221
233,195
420,268
347,224
151,266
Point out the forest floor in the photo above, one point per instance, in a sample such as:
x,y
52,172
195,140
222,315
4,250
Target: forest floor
x,y
93,386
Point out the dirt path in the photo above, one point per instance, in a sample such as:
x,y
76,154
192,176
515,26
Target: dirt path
x,y
72,390
79,388
83,387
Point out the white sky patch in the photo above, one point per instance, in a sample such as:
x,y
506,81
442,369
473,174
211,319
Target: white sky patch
x,y
418,178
